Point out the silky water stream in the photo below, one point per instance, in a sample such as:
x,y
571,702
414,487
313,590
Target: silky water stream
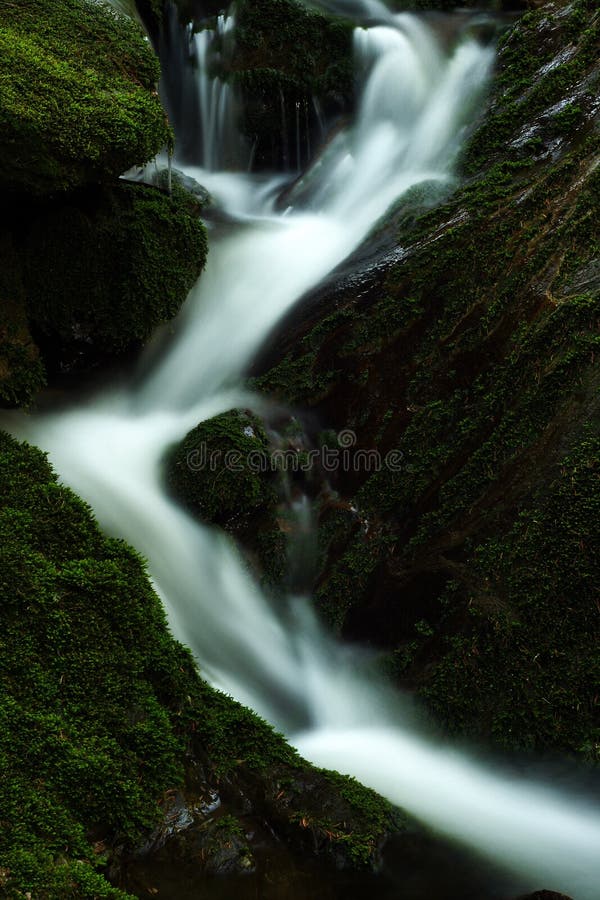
x,y
417,97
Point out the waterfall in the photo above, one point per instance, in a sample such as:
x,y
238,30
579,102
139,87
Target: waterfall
x,y
202,106
216,101
416,100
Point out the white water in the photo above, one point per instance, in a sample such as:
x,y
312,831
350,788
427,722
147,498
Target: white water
x,y
415,103
216,102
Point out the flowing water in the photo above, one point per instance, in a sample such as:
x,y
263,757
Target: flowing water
x,y
416,100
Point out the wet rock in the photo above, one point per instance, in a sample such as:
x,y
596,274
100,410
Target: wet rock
x,y
158,175
214,845
544,895
292,66
96,275
21,370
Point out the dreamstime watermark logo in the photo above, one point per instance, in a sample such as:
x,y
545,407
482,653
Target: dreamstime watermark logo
x,y
343,457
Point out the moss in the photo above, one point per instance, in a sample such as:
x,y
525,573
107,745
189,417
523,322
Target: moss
x,y
545,622
77,95
87,743
296,40
105,268
217,468
100,707
373,816
223,472
21,373
474,359
540,66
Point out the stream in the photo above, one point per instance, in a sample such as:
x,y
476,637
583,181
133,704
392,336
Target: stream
x,y
418,96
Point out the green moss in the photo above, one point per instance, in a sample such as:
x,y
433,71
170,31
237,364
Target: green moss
x,y
21,373
539,639
305,45
100,707
224,472
77,95
107,267
533,79
373,817
87,742
474,359
218,469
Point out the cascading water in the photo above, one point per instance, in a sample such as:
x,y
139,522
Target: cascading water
x,y
201,105
415,103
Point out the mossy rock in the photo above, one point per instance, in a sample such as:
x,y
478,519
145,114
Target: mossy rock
x,y
217,470
78,99
474,360
89,680
105,268
101,710
223,472
21,372
535,625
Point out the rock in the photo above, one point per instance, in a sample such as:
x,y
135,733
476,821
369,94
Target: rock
x,y
97,277
157,174
78,99
224,472
21,371
472,357
292,65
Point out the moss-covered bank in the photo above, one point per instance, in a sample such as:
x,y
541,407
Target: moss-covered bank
x,y
109,266
476,562
103,712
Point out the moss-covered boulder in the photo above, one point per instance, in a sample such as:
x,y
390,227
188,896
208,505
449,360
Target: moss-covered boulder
x,y
473,560
104,717
90,276
225,473
219,468
103,269
21,371
78,99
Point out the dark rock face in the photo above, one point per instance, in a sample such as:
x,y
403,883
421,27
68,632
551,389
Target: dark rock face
x,y
291,65
88,276
473,357
21,370
96,273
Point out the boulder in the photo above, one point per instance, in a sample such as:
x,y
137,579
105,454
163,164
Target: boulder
x,y
78,99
